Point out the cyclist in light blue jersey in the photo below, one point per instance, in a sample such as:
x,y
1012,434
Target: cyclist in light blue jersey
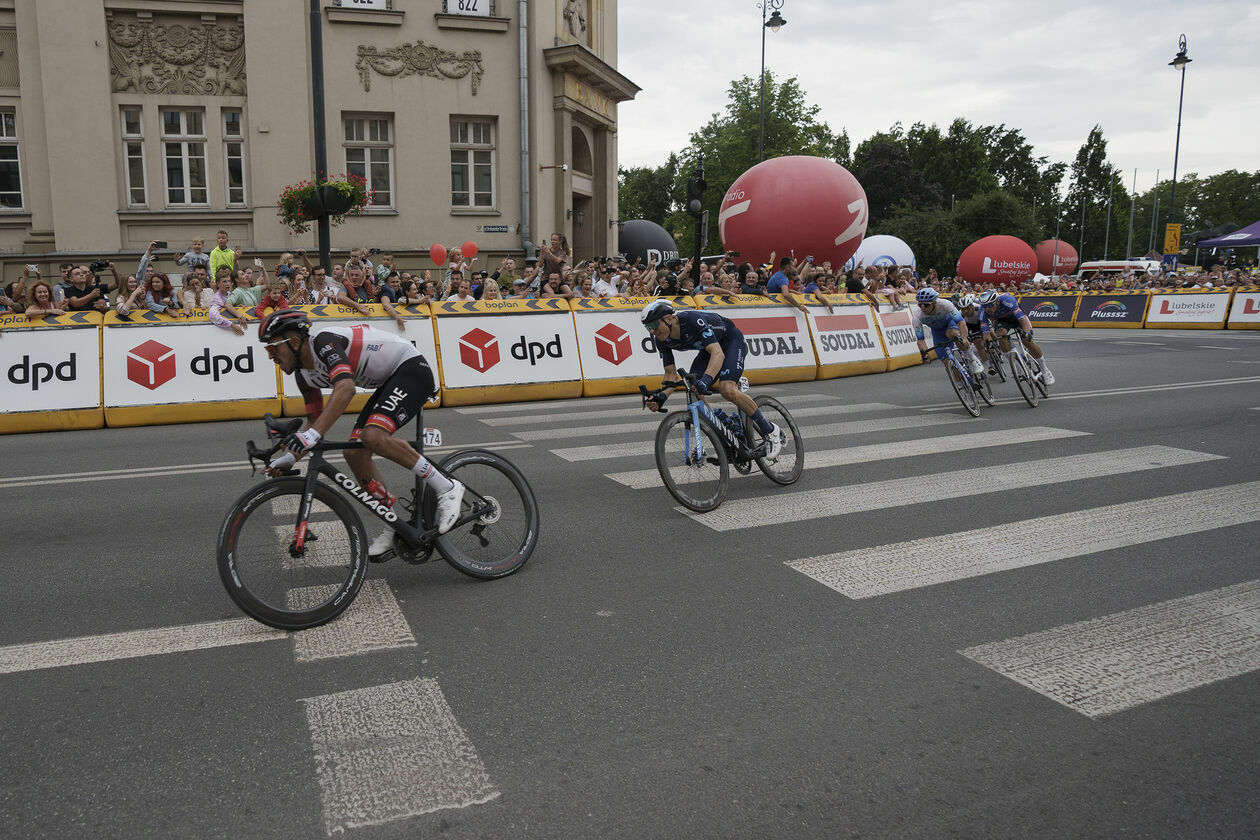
x,y
946,322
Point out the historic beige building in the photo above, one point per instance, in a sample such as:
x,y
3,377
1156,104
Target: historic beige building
x,y
125,121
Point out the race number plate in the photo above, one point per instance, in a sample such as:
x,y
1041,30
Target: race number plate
x,y
432,437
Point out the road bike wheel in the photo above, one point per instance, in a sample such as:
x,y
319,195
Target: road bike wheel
x,y
692,462
784,468
985,389
1019,372
995,359
962,387
268,579
1037,374
498,542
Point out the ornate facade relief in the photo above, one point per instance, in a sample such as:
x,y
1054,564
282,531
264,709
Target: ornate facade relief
x,y
177,54
418,59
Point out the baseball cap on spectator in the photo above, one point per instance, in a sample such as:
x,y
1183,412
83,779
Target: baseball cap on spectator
x,y
519,281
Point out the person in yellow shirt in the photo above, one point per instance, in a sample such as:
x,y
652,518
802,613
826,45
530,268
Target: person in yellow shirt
x,y
222,255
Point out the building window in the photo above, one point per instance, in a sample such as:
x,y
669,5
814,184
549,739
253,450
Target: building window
x,y
10,166
133,156
234,156
184,154
370,155
472,163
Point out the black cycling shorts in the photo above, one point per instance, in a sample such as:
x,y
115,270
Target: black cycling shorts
x,y
734,350
399,398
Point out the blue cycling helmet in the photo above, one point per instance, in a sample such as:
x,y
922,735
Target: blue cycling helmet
x,y
928,295
652,314
988,298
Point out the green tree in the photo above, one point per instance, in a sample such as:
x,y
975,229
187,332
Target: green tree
x,y
646,192
1095,181
891,180
933,235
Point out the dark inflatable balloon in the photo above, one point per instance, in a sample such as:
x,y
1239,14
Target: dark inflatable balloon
x,y
643,239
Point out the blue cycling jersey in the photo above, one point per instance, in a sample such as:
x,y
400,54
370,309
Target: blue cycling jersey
x,y
1007,309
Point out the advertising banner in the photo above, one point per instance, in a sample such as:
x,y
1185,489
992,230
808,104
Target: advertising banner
x,y
50,372
418,329
617,354
1244,312
1122,310
486,357
1188,310
780,345
158,368
1050,310
847,340
896,328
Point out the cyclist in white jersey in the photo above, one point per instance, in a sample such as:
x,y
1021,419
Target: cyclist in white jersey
x,y
341,358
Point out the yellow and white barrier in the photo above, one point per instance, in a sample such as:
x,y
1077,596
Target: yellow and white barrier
x,y
847,341
160,368
51,372
617,354
896,329
1189,309
486,357
1244,310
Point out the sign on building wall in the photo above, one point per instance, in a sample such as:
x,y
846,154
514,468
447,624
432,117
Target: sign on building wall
x,y
476,8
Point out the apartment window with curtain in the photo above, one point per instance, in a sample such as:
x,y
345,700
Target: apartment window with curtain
x,y
234,156
369,149
10,164
133,156
184,156
472,163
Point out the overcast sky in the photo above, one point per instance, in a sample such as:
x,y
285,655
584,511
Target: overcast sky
x,y
1051,70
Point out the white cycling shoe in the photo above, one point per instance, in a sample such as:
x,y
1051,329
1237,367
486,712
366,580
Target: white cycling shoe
x,y
774,441
1046,376
448,507
382,548
977,369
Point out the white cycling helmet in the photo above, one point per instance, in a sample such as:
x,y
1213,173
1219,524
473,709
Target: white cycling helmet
x,y
927,295
988,298
967,301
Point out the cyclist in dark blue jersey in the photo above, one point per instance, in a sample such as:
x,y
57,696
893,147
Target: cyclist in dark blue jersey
x,y
1004,313
719,363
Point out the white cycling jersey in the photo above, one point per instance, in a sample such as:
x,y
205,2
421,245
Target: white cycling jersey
x,y
367,354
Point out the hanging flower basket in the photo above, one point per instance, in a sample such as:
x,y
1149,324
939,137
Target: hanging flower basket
x,y
307,201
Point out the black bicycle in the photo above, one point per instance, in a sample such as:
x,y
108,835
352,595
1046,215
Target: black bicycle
x,y
292,551
696,446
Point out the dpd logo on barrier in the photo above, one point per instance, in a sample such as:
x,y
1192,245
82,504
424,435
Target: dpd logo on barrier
x,y
612,344
152,364
26,373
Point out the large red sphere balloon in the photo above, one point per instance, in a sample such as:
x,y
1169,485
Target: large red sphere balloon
x,y
437,253
795,206
1054,256
468,249
997,259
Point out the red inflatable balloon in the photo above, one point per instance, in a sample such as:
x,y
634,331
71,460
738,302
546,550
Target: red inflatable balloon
x,y
795,206
437,253
997,259
468,249
1054,256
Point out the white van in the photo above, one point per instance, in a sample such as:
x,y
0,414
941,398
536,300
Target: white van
x,y
1088,270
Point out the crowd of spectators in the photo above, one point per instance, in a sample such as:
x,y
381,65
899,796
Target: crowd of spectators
x,y
224,287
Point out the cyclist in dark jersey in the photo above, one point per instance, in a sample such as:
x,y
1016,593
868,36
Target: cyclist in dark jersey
x,y
341,358
720,360
1005,315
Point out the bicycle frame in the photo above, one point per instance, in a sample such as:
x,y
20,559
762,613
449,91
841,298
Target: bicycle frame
x,y
736,449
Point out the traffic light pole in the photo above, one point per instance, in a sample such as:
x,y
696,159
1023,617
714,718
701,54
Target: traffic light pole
x,y
695,206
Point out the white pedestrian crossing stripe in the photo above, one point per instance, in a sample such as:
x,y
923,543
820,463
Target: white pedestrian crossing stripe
x,y
897,567
636,411
1110,664
641,479
780,508
393,751
647,445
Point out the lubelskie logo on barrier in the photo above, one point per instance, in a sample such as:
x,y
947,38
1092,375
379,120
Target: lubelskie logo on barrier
x,y
35,374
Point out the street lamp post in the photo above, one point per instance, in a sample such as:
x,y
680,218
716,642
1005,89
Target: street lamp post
x,y
775,22
1180,60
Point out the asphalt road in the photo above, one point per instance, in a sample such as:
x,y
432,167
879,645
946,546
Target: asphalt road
x,y
1053,637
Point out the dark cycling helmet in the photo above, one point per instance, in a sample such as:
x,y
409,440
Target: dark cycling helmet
x,y
988,298
928,295
281,321
655,311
